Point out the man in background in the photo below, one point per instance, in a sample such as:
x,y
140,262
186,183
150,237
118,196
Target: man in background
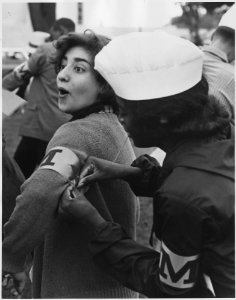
x,y
41,116
219,56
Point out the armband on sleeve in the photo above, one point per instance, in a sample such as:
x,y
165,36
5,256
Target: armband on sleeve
x,y
63,161
178,272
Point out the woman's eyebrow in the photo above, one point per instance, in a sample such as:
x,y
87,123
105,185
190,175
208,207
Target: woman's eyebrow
x,y
78,59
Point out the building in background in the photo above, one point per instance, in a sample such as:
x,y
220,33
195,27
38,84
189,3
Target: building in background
x,y
110,17
43,15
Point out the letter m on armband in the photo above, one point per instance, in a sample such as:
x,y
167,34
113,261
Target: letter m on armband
x,y
177,271
63,161
48,159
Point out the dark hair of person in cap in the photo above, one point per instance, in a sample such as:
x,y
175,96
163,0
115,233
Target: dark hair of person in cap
x,y
189,114
93,43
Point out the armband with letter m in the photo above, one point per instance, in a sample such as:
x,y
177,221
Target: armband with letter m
x,y
63,161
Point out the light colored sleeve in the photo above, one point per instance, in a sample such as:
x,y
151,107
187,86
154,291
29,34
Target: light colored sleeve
x,y
35,211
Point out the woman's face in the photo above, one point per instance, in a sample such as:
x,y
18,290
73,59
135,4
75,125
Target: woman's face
x,y
135,127
76,82
130,124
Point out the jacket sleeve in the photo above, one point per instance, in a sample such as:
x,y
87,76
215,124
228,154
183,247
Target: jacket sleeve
x,y
12,179
133,265
147,185
37,205
37,60
36,209
172,271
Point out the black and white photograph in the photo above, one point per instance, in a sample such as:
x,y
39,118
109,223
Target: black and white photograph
x,y
118,152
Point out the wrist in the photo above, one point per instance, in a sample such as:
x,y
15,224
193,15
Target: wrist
x,y
131,173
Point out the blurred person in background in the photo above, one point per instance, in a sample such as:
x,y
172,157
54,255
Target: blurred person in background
x,y
219,57
41,115
63,266
12,179
163,101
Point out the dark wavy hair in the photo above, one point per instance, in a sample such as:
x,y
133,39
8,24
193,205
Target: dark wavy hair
x,y
93,43
191,113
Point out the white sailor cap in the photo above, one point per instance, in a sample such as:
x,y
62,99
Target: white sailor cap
x,y
149,65
228,19
37,38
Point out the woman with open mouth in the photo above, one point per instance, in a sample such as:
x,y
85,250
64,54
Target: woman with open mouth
x,y
63,267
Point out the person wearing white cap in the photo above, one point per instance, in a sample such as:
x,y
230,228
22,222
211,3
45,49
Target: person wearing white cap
x,y
41,115
163,102
218,66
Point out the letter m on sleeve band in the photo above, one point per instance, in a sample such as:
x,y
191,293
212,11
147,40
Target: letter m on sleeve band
x,y
61,160
177,271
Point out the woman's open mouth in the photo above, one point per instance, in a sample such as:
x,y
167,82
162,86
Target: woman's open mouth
x,y
62,92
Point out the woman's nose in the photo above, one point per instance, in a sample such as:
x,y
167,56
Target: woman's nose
x,y
63,75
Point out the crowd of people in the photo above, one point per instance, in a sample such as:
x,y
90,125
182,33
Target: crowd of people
x,y
71,226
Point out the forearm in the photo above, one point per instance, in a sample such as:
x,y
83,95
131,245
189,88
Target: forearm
x,y
97,169
133,265
142,182
130,174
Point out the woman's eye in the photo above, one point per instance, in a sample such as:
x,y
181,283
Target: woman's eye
x,y
78,69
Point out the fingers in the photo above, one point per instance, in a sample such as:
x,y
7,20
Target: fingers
x,y
13,286
86,180
66,198
87,170
70,193
15,293
19,283
6,280
87,175
83,189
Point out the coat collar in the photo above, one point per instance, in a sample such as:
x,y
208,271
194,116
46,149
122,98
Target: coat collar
x,y
216,157
95,108
216,52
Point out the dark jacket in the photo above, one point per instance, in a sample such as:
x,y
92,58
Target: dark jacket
x,y
193,226
12,179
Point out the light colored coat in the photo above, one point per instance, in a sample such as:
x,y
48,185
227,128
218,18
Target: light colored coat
x,y
220,75
63,266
